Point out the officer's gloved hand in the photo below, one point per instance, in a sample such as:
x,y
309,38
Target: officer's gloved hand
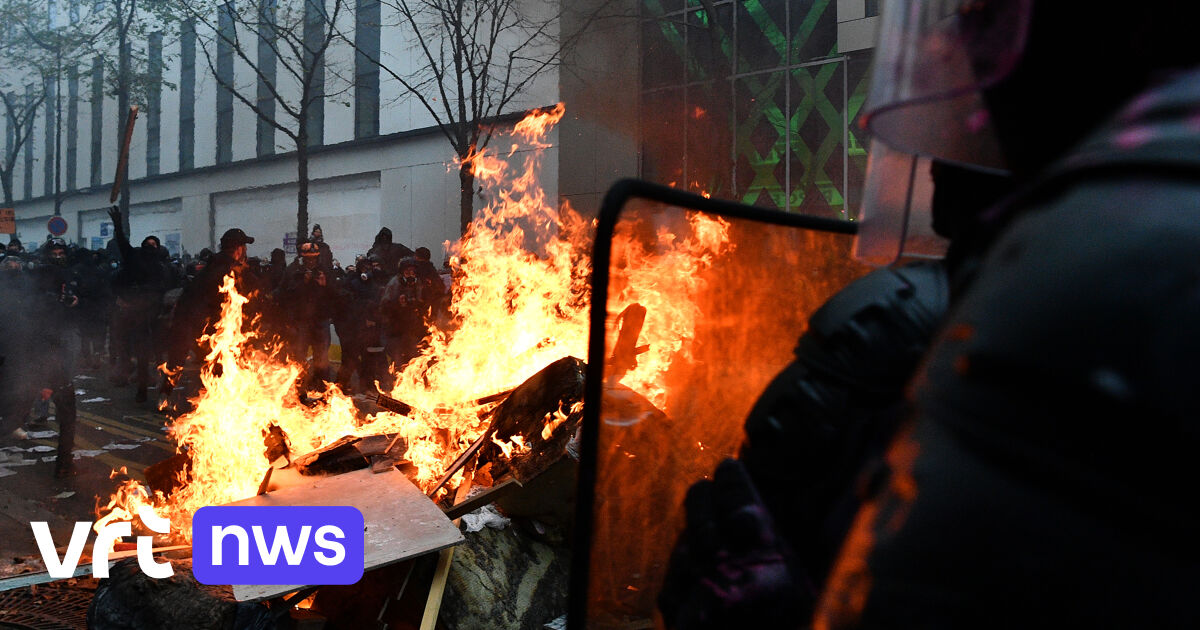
x,y
730,569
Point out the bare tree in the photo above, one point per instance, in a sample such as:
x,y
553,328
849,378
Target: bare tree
x,y
59,42
128,72
475,59
286,54
20,62
51,37
19,113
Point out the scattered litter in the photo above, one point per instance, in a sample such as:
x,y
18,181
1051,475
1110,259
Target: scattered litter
x,y
486,516
95,400
84,377
40,448
50,458
79,392
557,624
64,495
79,454
113,446
42,435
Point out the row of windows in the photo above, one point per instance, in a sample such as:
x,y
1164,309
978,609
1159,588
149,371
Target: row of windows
x,y
751,100
366,107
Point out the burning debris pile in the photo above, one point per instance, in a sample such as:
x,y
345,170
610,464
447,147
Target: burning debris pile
x,y
493,400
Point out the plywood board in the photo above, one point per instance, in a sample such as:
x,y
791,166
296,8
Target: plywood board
x,y
401,521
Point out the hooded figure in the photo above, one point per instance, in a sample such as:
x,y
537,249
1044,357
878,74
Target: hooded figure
x,y
390,253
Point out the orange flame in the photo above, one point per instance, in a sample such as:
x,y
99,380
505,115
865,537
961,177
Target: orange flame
x,y
520,302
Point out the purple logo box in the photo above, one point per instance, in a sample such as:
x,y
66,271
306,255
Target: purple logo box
x,y
277,545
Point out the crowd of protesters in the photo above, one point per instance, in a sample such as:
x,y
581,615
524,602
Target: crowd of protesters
x,y
130,309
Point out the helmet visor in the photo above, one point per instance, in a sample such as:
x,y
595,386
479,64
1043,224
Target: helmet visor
x,y
895,218
934,58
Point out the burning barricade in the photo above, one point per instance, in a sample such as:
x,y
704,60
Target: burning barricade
x,y
488,411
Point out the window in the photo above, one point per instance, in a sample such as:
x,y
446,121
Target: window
x,y
187,95
315,18
752,102
154,102
226,33
97,118
366,69
72,126
30,98
267,61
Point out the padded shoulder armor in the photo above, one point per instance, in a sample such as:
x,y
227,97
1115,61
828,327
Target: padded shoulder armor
x,y
870,335
836,405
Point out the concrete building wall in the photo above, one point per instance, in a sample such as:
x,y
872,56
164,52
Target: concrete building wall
x,y
403,179
858,24
599,132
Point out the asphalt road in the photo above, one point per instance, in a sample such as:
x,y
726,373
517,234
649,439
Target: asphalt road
x,y
113,432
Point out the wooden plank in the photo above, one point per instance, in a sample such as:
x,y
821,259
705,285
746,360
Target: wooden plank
x,y
401,522
491,495
437,590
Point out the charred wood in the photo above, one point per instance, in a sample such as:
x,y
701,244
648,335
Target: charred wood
x,y
525,412
336,458
169,474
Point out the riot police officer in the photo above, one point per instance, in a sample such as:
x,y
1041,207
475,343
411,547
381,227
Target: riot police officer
x,y
1045,479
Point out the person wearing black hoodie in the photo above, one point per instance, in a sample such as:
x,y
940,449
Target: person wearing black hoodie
x,y
390,253
139,286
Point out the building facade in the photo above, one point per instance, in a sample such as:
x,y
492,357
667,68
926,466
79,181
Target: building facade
x,y
756,102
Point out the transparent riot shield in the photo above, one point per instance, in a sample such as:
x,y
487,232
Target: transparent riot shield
x,y
696,305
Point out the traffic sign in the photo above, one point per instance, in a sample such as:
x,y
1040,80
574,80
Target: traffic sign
x,y
57,226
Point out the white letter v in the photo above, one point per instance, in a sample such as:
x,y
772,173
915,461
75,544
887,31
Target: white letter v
x,y
65,568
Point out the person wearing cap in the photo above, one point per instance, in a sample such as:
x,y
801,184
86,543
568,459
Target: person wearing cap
x,y
200,304
324,254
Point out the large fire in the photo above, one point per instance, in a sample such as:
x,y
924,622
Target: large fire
x,y
519,302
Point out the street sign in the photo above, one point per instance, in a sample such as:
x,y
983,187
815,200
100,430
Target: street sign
x,y
8,221
289,242
57,226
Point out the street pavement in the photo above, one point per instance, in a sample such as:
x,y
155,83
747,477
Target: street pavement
x,y
113,432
